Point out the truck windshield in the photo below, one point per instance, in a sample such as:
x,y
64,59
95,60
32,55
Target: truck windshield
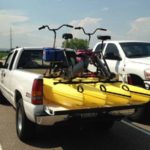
x,y
136,49
32,59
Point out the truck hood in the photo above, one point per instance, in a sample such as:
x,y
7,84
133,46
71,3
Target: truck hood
x,y
144,60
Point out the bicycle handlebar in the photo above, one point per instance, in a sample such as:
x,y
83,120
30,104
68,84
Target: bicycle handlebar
x,y
44,26
78,28
54,30
102,29
70,26
89,34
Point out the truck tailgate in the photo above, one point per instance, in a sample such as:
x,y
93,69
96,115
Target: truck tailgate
x,y
55,109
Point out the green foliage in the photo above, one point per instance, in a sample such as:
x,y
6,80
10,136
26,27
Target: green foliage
x,y
3,54
75,43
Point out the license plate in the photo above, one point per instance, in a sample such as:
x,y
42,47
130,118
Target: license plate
x,y
88,115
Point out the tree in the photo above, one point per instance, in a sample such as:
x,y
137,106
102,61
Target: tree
x,y
75,43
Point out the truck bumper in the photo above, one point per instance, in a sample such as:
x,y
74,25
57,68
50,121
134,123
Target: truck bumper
x,y
38,115
51,116
50,120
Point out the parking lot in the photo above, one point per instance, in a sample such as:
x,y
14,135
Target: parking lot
x,y
121,136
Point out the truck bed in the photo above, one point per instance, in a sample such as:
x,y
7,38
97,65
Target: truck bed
x,y
62,97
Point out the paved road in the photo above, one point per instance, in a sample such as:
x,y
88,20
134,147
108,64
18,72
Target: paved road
x,y
120,137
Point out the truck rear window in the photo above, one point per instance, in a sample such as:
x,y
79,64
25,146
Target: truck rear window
x,y
99,48
32,59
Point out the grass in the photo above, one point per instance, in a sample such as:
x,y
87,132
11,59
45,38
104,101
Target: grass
x,y
3,54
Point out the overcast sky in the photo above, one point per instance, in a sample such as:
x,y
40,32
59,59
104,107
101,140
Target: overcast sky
x,y
124,19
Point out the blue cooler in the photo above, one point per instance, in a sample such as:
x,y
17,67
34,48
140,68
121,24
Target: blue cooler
x,y
52,54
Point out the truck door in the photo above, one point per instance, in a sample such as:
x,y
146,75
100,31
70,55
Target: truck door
x,y
6,73
113,58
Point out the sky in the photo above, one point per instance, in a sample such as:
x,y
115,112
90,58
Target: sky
x,y
123,19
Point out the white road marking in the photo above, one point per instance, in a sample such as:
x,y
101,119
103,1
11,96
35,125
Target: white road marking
x,y
136,127
1,147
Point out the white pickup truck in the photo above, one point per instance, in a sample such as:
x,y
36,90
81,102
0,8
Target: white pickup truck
x,y
128,58
131,60
21,83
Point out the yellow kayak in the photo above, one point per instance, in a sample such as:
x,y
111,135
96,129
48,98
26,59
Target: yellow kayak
x,y
72,95
118,93
80,94
115,96
138,94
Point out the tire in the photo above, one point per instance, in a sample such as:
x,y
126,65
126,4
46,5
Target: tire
x,y
141,115
2,99
24,127
137,81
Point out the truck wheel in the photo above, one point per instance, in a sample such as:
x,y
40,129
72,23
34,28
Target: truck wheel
x,y
136,80
141,115
24,127
2,99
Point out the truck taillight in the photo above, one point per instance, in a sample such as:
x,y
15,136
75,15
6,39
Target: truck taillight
x,y
37,92
147,74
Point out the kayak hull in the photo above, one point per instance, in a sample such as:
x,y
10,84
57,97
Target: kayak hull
x,y
79,94
115,95
138,94
71,95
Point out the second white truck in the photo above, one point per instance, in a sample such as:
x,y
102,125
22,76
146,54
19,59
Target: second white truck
x,y
128,58
131,61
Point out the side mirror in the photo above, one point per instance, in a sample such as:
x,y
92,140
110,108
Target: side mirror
x,y
118,58
112,57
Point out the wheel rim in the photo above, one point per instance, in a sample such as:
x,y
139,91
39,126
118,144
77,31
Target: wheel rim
x,y
19,121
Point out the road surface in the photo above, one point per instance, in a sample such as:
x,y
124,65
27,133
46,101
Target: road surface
x,y
120,137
